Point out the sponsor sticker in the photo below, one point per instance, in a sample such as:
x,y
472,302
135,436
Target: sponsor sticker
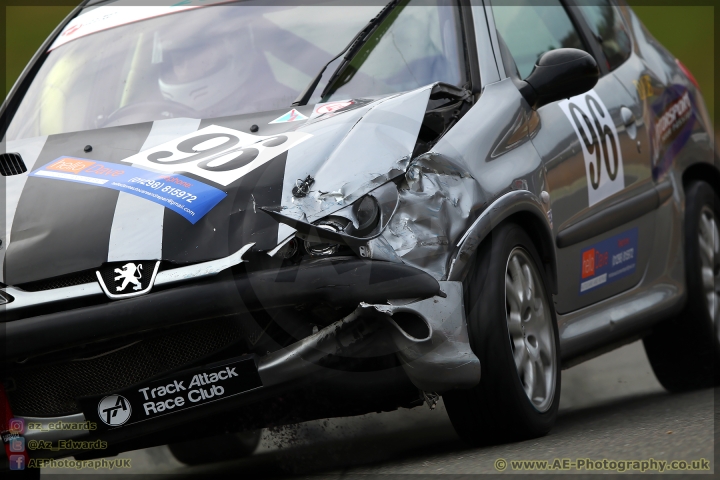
x,y
180,391
599,142
291,116
188,197
331,107
673,119
609,260
221,155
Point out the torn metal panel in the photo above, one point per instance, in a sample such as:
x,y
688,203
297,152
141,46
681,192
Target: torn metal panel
x,y
280,245
447,105
495,113
373,146
443,360
435,203
446,188
350,231
379,249
201,270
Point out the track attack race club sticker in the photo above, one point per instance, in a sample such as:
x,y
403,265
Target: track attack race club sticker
x,y
609,260
600,144
186,389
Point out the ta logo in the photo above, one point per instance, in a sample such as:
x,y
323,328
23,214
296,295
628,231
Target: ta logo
x,y
127,275
114,410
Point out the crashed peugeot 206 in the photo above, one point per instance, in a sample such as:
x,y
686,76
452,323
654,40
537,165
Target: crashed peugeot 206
x,y
224,216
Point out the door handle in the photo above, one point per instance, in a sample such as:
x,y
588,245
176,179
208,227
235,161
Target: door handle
x,y
628,118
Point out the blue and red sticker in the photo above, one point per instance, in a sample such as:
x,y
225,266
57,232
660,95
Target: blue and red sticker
x,y
184,195
609,260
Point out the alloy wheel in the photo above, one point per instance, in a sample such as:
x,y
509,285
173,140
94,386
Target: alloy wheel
x,y
709,241
529,323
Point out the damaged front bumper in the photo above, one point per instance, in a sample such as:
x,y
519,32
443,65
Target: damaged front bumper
x,y
336,280
398,310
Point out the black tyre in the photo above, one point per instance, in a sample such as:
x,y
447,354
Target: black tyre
x,y
685,349
220,448
513,331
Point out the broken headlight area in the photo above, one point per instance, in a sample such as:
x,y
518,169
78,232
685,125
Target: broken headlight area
x,y
345,231
295,249
367,212
323,249
363,221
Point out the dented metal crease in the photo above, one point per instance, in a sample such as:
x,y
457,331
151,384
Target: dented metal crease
x,y
437,195
443,360
440,362
346,166
436,199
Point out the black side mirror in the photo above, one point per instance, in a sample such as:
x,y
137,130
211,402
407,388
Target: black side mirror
x,y
559,74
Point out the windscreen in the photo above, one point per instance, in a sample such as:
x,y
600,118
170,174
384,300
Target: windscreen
x,y
140,65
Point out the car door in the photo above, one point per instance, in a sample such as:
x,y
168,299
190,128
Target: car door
x,y
594,148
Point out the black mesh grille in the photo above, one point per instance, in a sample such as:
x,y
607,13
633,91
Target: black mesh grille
x,y
89,276
11,164
50,390
79,278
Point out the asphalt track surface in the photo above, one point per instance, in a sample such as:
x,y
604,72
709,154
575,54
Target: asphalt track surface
x,y
611,407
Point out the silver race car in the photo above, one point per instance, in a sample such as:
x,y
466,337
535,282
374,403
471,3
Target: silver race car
x,y
224,216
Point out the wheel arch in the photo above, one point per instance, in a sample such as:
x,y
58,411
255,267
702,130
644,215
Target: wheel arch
x,y
705,172
521,207
539,232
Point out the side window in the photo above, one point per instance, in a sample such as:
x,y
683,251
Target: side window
x,y
530,28
609,29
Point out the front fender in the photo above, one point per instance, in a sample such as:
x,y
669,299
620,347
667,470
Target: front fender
x,y
525,208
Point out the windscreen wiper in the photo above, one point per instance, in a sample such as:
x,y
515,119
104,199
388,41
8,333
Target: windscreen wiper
x,y
349,51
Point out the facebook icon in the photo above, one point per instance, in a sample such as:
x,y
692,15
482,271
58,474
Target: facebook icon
x,y
17,462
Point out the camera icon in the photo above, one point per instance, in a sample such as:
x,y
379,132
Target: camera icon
x,y
17,425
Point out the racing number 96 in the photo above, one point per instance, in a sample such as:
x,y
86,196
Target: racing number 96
x,y
212,156
593,144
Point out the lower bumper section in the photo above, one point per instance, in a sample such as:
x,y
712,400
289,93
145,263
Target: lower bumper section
x,y
429,337
337,281
440,359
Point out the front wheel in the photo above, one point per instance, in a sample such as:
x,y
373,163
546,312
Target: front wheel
x,y
513,332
